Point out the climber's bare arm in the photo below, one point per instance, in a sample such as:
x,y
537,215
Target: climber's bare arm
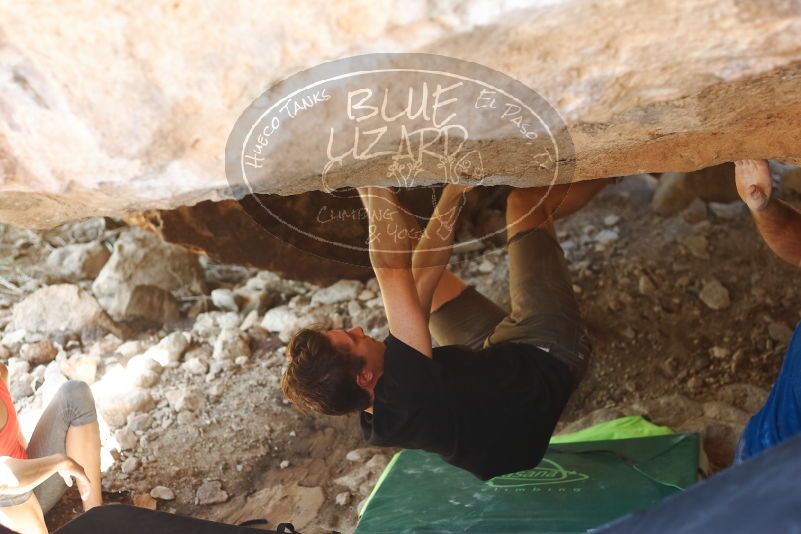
x,y
777,222
433,251
390,242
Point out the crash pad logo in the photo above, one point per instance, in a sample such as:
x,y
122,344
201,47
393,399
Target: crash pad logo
x,y
410,121
548,473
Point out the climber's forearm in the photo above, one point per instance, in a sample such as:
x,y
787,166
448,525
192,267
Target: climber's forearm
x,y
433,251
388,231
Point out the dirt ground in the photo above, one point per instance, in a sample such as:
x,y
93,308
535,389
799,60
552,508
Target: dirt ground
x,y
638,278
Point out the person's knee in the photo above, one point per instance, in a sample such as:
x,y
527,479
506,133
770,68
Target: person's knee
x,y
78,396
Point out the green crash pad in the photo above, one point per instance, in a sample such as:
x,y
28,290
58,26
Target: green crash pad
x,y
577,487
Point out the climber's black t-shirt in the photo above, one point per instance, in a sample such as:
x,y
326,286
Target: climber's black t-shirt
x,y
490,411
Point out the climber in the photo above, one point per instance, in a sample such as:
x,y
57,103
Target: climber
x,y
65,445
488,397
779,224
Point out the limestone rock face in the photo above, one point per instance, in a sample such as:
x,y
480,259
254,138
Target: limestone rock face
x,y
133,113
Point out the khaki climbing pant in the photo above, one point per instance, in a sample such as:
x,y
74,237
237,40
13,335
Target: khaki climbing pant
x,y
544,311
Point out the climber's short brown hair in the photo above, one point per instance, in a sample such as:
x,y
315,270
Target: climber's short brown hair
x,y
321,378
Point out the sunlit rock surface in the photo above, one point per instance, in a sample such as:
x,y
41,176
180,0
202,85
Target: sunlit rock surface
x,y
110,108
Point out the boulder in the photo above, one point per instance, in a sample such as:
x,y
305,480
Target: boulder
x,y
230,344
162,493
143,371
126,439
182,400
81,367
211,492
170,349
59,308
152,304
714,294
39,353
677,190
635,97
142,259
340,291
116,408
79,261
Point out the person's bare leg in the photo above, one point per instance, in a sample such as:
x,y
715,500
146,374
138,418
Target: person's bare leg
x,y
539,207
25,518
83,446
778,223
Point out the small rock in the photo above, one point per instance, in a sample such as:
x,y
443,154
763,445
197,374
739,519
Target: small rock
x,y
696,212
372,285
780,332
126,439
130,465
354,308
354,456
186,419
170,349
646,286
697,245
714,295
181,400
727,211
139,422
21,386
224,299
81,367
366,295
377,302
217,389
129,349
719,352
40,353
695,382
299,303
211,492
486,266
241,360
629,332
739,361
79,261
208,325
284,464
611,220
143,371
195,366
162,493
116,408
230,344
250,320
340,291
279,319
606,237
343,499
145,501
